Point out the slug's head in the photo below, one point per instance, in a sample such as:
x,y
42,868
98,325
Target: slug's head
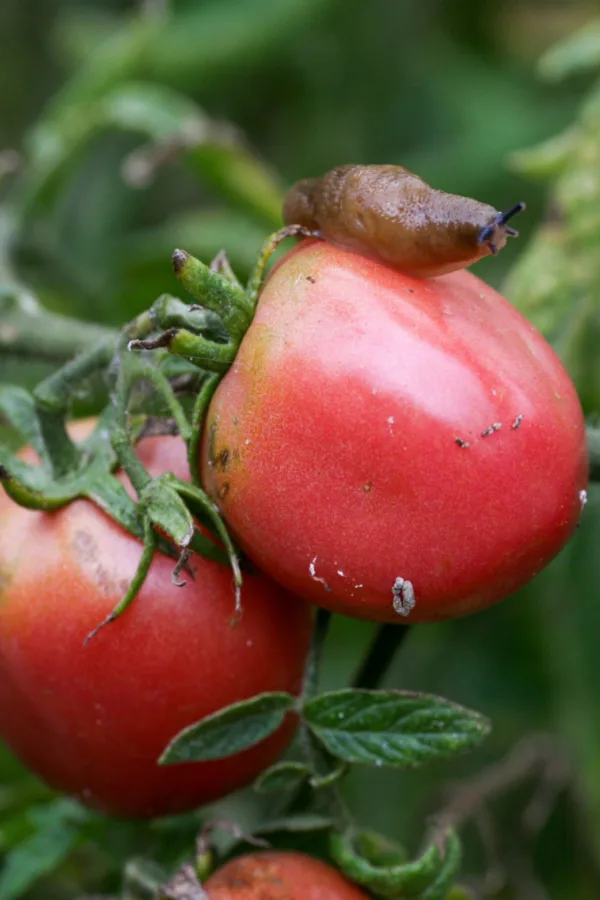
x,y
495,233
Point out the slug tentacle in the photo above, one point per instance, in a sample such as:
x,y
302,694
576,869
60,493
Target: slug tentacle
x,y
390,214
488,234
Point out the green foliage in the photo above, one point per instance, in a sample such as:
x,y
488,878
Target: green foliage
x,y
555,282
180,130
54,838
392,728
230,730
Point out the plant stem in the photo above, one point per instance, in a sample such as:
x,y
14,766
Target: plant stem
x,y
380,655
28,331
593,439
310,681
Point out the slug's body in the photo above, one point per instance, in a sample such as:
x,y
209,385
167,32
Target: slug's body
x,y
392,215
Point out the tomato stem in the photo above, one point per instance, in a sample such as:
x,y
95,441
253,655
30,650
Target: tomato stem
x,y
203,399
310,680
593,440
387,641
31,332
136,582
269,247
53,397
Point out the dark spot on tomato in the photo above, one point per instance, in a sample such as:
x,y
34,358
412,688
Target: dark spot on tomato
x,y
224,458
212,435
311,278
223,490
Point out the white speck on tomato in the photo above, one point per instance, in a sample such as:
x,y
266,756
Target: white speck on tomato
x,y
313,574
404,599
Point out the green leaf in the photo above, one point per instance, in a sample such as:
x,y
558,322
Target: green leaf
x,y
546,160
539,284
170,121
167,511
283,776
392,728
230,730
578,53
205,231
36,856
54,839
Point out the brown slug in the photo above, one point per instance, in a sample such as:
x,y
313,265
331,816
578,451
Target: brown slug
x,y
390,214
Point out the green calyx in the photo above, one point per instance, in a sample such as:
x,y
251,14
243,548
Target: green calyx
x,y
160,373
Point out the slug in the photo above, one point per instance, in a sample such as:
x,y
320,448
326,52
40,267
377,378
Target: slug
x,y
390,214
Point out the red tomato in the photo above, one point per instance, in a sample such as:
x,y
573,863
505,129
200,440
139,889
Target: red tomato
x,y
280,876
92,721
382,439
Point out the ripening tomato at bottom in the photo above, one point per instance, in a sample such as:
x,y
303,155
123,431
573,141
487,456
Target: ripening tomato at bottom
x,y
283,875
394,448
93,720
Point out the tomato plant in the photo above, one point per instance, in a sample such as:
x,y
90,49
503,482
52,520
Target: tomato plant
x,y
387,445
93,720
272,876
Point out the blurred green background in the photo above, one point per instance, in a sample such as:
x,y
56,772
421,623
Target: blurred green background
x,y
127,129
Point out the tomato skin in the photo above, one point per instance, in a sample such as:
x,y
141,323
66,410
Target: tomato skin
x,y
282,875
330,445
92,721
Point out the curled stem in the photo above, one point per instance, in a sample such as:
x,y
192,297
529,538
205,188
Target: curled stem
x,y
136,582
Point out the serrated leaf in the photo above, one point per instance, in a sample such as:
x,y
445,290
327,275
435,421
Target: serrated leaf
x,y
392,728
283,776
230,730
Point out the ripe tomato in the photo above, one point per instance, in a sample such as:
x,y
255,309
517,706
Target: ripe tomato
x,y
382,439
282,875
92,721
